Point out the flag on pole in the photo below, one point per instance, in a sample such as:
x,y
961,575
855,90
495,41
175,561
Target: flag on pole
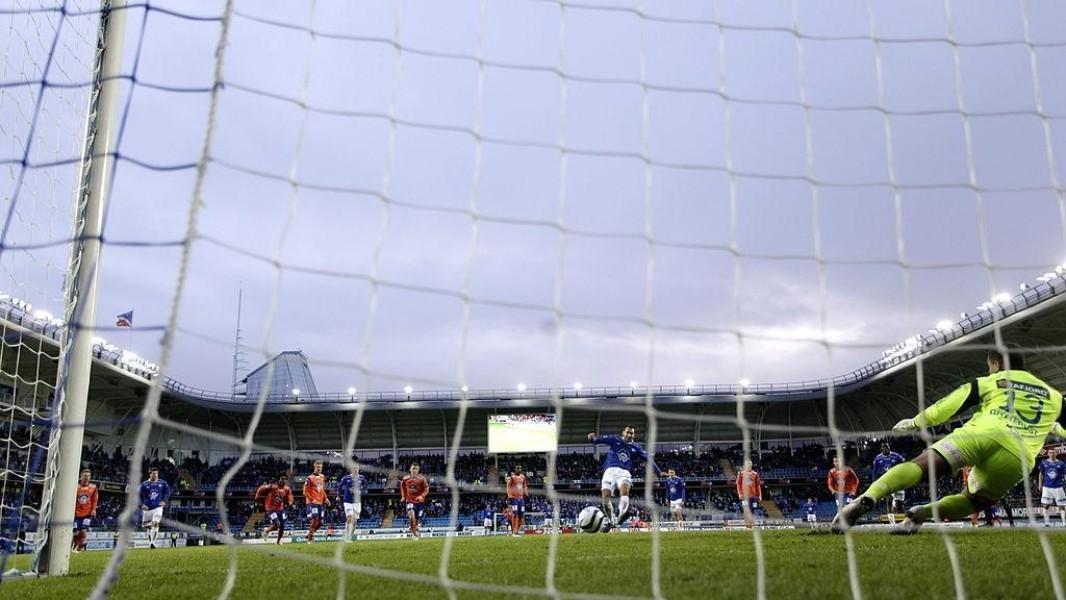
x,y
124,320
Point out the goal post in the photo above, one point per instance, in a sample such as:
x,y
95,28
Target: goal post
x,y
52,552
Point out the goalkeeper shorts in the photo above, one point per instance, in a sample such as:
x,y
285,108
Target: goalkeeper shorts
x,y
995,469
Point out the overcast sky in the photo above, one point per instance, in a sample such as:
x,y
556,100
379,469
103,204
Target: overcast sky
x,y
339,193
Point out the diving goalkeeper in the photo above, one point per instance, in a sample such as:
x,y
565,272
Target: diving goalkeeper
x,y
1015,412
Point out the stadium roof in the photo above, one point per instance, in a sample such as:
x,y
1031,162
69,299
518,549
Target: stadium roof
x,y
869,399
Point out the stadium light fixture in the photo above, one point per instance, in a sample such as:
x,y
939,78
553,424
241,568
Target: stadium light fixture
x,y
633,384
521,387
945,324
1023,286
744,383
1059,269
689,383
296,392
577,386
464,389
408,389
42,315
1002,298
964,316
351,391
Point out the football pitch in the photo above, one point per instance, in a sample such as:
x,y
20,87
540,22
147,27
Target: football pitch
x,y
799,564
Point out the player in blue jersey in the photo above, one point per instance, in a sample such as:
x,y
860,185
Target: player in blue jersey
x,y
350,492
154,495
812,512
675,493
882,463
1052,473
617,472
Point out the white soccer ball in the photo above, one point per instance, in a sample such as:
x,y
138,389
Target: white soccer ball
x,y
590,519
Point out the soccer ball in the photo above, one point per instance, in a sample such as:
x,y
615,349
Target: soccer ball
x,y
590,520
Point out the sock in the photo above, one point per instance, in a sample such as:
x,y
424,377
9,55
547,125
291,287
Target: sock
x,y
899,477
953,507
608,509
1047,516
623,506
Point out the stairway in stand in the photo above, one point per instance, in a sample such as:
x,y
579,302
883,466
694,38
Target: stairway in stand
x,y
253,522
728,470
772,510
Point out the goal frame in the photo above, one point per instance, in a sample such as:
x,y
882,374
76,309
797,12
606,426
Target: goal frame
x,y
51,555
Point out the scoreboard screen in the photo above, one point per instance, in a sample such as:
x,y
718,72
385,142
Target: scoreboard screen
x,y
536,432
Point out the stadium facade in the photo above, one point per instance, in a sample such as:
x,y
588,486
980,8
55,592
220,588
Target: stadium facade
x,y
869,399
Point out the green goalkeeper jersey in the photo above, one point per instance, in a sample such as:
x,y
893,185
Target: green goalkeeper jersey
x,y
1011,405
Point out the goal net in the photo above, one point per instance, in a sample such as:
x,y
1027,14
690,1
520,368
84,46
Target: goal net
x,y
760,234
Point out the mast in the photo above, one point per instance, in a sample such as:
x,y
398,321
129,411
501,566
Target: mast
x,y
238,354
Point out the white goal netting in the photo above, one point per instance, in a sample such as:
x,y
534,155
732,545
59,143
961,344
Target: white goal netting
x,y
687,216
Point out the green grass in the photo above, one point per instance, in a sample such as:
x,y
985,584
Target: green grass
x,y
799,564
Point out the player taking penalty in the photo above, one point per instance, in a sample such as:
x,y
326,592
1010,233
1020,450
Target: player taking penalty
x,y
413,491
517,490
276,497
84,508
1015,412
315,498
617,471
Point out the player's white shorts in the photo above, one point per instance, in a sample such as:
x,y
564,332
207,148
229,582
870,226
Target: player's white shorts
x,y
677,504
152,516
812,518
1056,496
487,523
353,508
613,477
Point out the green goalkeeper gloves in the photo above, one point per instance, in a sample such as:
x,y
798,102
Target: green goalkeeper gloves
x,y
905,425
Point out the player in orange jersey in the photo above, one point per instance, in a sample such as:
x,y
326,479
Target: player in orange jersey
x,y
316,499
749,490
843,483
84,508
517,490
413,491
276,497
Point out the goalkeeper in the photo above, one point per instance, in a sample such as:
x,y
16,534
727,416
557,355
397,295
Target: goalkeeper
x,y
1015,412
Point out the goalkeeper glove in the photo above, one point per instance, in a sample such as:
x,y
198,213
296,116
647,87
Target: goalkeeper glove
x,y
905,425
